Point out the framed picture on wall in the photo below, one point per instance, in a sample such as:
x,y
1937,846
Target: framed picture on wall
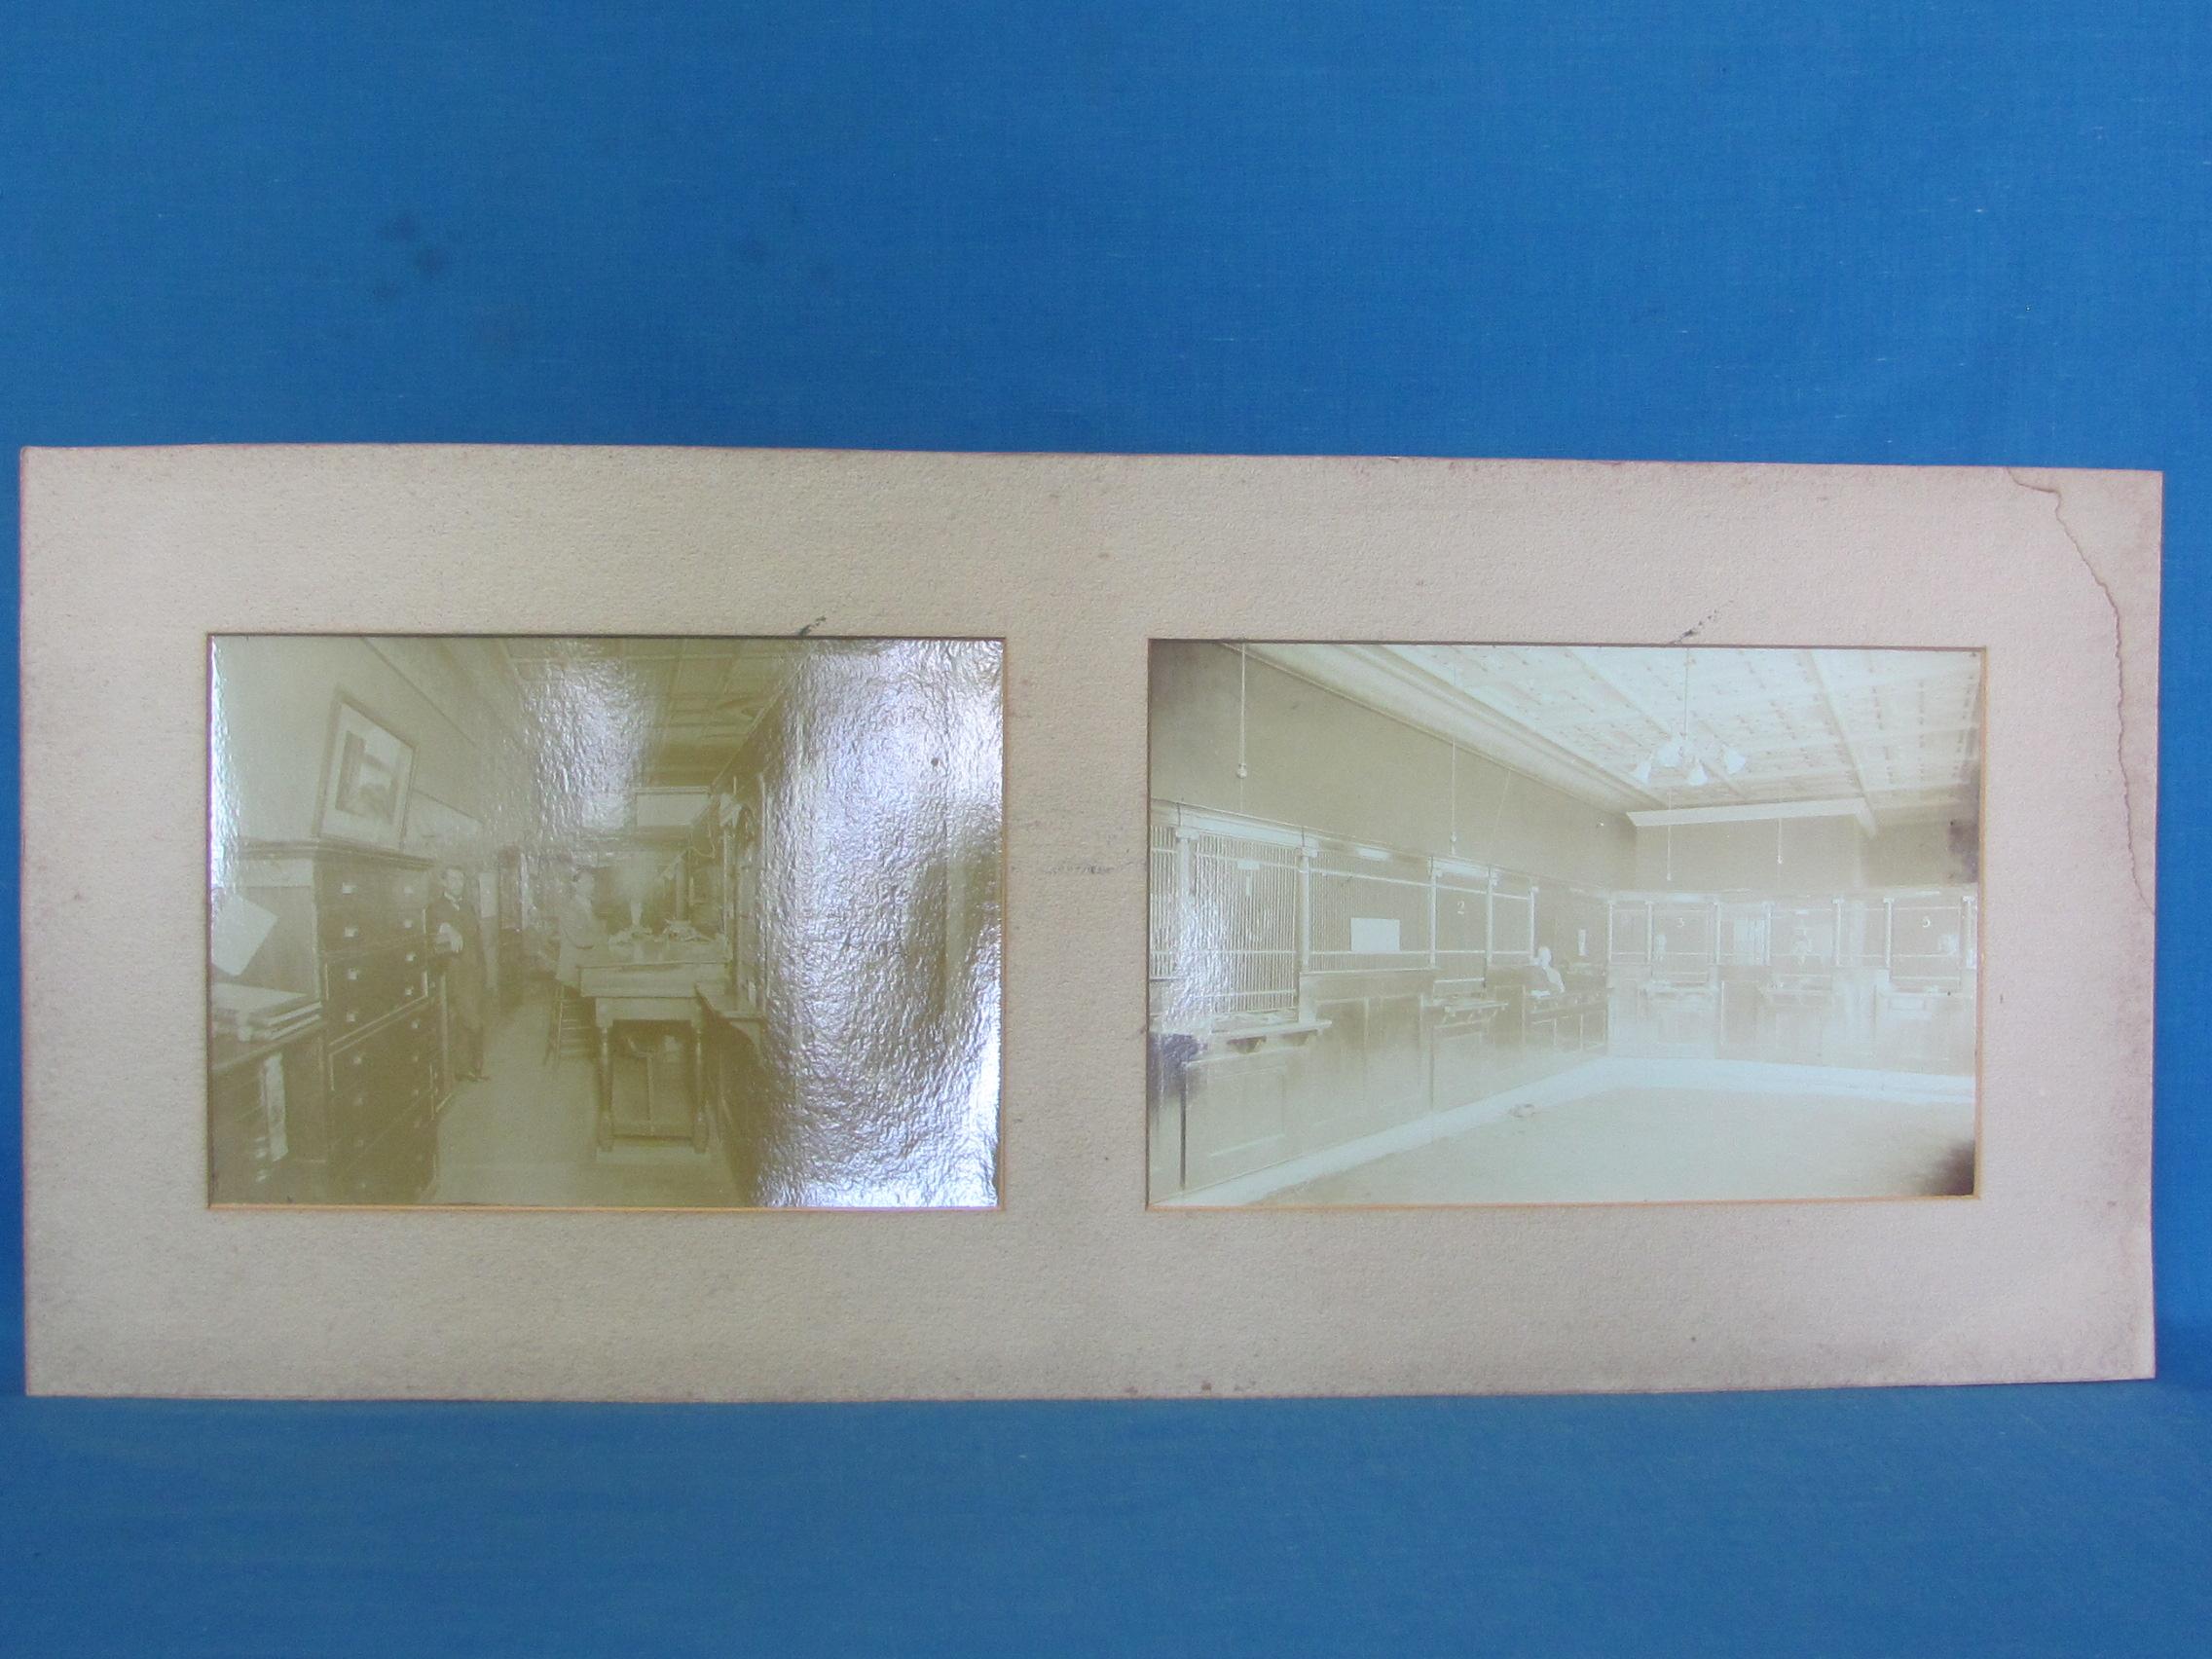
x,y
365,778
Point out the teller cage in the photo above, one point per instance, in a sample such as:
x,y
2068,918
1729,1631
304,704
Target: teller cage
x,y
1464,924
603,922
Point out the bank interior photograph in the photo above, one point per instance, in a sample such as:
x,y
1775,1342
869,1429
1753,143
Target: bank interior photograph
x,y
1437,924
648,922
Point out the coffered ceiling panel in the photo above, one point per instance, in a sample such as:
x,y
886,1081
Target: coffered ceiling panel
x,y
1896,731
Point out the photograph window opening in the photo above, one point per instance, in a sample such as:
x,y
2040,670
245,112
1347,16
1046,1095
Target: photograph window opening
x,y
1457,924
660,922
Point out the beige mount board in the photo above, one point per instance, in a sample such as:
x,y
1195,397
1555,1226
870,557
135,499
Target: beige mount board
x,y
1071,1287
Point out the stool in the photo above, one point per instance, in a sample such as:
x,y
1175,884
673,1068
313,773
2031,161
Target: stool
x,y
570,1020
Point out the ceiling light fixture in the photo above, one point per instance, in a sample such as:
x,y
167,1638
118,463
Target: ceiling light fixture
x,y
1687,754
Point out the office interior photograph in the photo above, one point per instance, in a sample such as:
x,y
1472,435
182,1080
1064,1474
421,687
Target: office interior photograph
x,y
651,922
1437,924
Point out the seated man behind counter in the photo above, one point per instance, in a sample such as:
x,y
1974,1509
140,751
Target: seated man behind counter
x,y
1546,979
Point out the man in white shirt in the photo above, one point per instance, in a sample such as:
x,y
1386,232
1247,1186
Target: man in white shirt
x,y
1552,984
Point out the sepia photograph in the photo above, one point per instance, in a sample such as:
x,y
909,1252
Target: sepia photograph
x,y
603,922
1469,924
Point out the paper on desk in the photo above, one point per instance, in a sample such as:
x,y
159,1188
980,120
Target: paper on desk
x,y
240,925
272,1106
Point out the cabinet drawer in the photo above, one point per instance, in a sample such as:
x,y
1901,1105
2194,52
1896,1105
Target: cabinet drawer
x,y
351,886
345,928
418,1050
395,1067
396,1169
363,905
361,987
347,882
362,1107
419,1027
370,1088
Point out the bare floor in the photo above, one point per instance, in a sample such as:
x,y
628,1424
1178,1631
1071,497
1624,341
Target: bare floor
x,y
525,1137
1651,1145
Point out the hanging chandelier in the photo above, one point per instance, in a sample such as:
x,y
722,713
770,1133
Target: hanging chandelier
x,y
1687,754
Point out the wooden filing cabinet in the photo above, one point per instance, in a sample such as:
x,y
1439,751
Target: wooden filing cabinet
x,y
353,925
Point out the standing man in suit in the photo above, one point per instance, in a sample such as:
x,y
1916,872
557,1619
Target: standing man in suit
x,y
457,946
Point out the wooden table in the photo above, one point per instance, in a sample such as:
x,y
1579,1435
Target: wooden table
x,y
657,981
718,1002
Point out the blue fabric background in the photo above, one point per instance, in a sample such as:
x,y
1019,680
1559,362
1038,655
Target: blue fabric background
x,y
1974,231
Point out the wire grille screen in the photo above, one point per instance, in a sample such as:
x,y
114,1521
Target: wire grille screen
x,y
1804,938
1367,911
1462,924
1744,934
1632,931
1682,935
1862,942
1512,920
1927,939
1162,895
1236,948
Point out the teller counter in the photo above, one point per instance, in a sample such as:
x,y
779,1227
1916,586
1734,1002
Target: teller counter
x,y
1366,1050
1925,1025
1664,1012
1237,1095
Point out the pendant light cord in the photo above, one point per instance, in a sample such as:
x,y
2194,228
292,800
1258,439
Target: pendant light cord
x,y
1242,771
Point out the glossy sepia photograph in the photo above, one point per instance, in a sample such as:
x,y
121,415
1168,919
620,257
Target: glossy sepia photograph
x,y
1468,924
603,922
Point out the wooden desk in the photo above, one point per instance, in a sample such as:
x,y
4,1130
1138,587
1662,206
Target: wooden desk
x,y
1925,1025
651,982
1681,1011
1469,1014
1556,1009
268,1136
1795,1013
